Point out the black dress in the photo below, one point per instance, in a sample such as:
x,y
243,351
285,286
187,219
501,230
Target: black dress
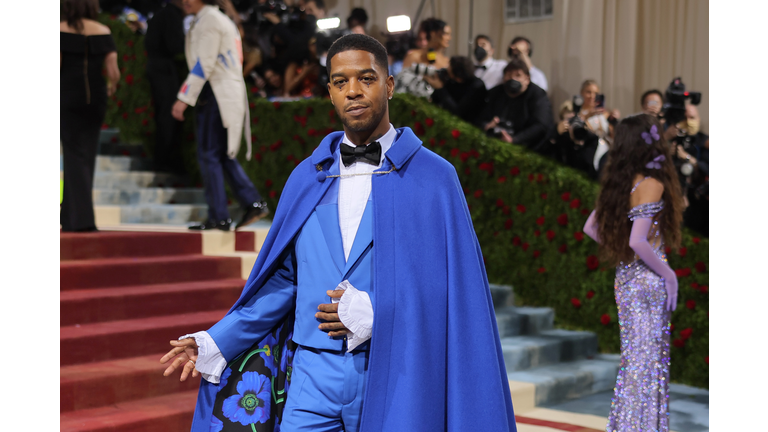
x,y
83,105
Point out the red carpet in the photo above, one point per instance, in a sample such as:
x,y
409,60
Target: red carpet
x,y
124,295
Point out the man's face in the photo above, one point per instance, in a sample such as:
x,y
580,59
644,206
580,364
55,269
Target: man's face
x,y
518,75
486,45
310,8
520,46
275,80
652,104
359,90
193,6
692,113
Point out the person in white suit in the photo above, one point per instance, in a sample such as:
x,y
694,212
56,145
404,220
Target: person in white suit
x,y
215,87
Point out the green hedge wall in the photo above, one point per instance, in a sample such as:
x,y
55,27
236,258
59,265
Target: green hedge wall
x,y
528,212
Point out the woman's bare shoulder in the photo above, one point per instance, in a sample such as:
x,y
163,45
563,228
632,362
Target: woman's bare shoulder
x,y
92,27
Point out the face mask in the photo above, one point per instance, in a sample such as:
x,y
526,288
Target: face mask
x,y
513,86
480,53
691,126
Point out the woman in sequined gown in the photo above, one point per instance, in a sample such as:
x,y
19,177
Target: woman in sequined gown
x,y
638,213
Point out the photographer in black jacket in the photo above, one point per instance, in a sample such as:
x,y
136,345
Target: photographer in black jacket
x,y
457,89
518,111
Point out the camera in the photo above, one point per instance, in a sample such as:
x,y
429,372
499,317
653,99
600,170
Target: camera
x,y
421,70
675,97
278,7
576,124
504,125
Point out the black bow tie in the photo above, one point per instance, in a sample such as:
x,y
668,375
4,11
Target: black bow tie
x,y
370,153
483,67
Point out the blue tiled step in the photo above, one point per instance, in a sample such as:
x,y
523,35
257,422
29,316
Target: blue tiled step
x,y
149,196
132,180
547,348
515,321
174,214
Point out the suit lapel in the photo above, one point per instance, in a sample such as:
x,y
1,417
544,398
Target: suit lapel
x,y
328,216
363,237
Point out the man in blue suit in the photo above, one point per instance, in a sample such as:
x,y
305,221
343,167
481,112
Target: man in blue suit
x,y
373,255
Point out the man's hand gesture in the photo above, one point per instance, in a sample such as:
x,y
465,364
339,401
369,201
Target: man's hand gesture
x,y
186,350
330,313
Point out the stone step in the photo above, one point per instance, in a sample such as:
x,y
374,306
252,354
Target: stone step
x,y
515,321
121,149
132,180
569,380
117,163
502,295
163,213
149,196
109,135
547,348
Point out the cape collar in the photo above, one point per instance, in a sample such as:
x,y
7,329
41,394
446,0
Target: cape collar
x,y
405,146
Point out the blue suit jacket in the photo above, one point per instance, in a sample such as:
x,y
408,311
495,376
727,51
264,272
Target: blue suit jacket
x,y
435,356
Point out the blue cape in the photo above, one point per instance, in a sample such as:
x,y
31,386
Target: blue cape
x,y
435,356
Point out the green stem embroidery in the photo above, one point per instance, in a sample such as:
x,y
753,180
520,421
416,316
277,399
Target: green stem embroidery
x,y
253,427
251,354
274,396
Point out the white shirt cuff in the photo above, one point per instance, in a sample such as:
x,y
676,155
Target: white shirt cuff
x,y
210,362
356,313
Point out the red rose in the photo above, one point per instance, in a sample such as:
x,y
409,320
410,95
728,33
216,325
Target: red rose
x,y
456,133
455,152
671,327
499,202
441,143
276,105
678,343
592,262
276,145
272,194
542,270
332,112
129,79
478,193
536,254
584,211
104,126
576,302
579,236
506,210
605,319
694,285
520,208
140,110
540,221
701,267
539,178
575,203
525,246
464,156
706,359
130,43
418,128
467,171
501,179
690,304
590,294
289,157
311,132
152,115
126,57
530,177
562,219
516,241
682,251
543,196
144,122
254,89
508,224
429,122
268,183
566,196
486,166
514,171
474,153
667,250
432,142
251,105
550,235
255,120
310,110
125,115
685,334
466,191
695,240
495,233
537,233
119,104
704,289
563,248
683,272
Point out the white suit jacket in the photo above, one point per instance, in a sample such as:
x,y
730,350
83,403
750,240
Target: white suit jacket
x,y
215,54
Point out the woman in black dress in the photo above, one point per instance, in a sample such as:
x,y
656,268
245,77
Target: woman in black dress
x,y
86,48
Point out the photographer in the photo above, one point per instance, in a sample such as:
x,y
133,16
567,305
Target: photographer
x,y
457,89
518,111
574,143
651,102
487,68
523,48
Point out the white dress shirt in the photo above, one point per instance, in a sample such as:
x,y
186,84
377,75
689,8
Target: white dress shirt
x,y
355,309
493,74
538,77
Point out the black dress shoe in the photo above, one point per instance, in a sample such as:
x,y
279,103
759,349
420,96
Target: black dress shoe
x,y
253,213
212,224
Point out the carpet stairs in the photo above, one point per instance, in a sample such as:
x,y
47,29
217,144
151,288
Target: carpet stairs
x,y
124,296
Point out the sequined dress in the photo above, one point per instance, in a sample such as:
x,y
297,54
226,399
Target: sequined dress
x,y
641,396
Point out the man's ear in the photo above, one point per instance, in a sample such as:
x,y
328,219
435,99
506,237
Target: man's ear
x,y
328,86
390,86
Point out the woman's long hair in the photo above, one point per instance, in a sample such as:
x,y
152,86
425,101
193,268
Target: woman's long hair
x,y
74,11
628,157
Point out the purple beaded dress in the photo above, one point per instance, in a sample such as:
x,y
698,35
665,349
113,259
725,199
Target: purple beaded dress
x,y
641,396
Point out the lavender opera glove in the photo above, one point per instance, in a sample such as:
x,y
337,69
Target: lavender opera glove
x,y
590,228
638,241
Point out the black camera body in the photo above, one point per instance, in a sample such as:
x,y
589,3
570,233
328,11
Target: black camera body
x,y
675,97
576,124
504,125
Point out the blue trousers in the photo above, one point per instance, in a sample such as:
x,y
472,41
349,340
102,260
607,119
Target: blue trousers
x,y
326,392
215,165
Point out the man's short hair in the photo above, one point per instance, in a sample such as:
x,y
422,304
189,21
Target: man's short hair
x,y
650,92
462,67
361,42
482,36
523,38
516,63
359,16
319,3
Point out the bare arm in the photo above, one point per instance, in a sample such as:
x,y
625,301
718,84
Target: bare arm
x,y
113,72
293,79
590,228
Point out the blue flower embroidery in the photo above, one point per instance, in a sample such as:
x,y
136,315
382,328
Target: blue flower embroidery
x,y
268,344
224,378
216,424
287,356
252,403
